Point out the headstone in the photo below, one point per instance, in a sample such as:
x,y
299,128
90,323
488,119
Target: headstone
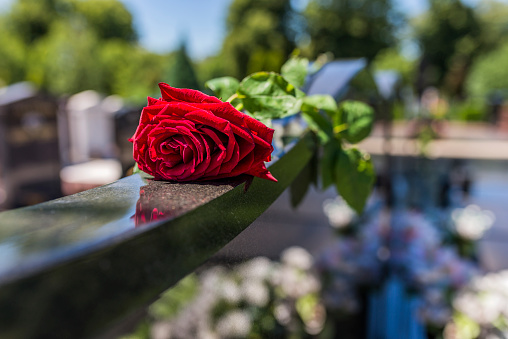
x,y
335,77
126,123
91,126
29,146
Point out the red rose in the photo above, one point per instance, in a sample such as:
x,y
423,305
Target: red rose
x,y
187,135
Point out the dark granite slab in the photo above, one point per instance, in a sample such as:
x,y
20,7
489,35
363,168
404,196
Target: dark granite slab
x,y
72,267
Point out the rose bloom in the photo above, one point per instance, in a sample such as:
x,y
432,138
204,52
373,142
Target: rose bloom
x,y
187,135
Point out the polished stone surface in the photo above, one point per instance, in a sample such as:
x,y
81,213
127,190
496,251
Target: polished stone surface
x,y
73,266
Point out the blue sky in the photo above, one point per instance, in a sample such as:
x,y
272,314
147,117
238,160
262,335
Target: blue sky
x,y
162,24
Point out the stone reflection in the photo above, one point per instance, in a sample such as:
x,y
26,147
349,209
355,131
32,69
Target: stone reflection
x,y
165,199
145,210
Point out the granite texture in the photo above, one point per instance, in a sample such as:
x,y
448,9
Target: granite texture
x,y
74,266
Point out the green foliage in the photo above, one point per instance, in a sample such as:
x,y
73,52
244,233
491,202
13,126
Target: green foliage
x,y
32,19
450,36
355,120
311,107
320,102
354,177
64,60
257,38
107,18
351,28
391,59
295,71
181,71
328,161
67,46
489,73
121,63
468,110
13,58
223,87
269,95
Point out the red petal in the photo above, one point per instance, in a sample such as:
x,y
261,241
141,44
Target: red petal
x,y
186,95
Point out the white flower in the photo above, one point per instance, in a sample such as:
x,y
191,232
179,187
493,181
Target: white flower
x,y
234,324
472,222
230,290
297,257
255,293
258,268
338,212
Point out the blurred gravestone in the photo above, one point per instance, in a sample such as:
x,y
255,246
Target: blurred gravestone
x,y
126,122
335,77
29,146
91,126
91,154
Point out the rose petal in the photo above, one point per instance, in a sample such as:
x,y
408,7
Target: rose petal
x,y
186,95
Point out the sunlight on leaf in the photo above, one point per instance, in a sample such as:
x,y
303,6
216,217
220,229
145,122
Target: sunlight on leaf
x,y
223,87
295,71
358,117
269,95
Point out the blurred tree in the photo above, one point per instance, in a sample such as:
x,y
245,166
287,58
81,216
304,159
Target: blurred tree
x,y
32,19
391,59
258,37
450,36
492,16
13,54
359,28
489,74
67,46
180,71
65,60
108,18
130,71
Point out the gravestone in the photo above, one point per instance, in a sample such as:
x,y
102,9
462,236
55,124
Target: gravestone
x,y
126,123
91,126
29,147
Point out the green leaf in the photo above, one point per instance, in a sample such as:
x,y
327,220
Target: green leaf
x,y
319,125
327,162
358,119
269,95
354,177
140,172
223,87
295,71
320,102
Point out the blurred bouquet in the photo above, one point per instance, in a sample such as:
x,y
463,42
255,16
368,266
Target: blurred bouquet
x,y
481,309
391,243
259,298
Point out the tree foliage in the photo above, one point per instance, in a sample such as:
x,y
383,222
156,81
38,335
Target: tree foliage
x,y
180,71
359,28
450,36
489,74
67,46
107,18
258,37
